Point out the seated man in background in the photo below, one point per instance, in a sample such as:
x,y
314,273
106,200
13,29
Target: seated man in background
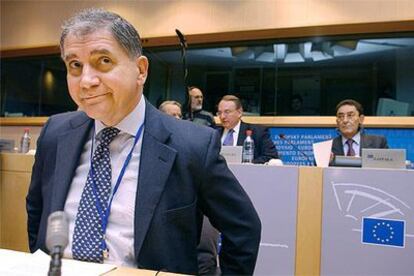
x,y
171,108
198,115
349,119
233,132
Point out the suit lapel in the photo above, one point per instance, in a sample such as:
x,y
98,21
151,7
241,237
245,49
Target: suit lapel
x,y
365,143
156,162
337,145
69,148
242,134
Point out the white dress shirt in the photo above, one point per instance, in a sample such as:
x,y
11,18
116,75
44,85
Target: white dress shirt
x,y
236,131
120,229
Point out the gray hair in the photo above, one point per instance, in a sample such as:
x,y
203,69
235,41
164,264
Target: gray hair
x,y
165,103
91,20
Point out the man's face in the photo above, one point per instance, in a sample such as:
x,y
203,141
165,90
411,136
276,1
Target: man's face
x,y
196,99
102,79
172,110
228,113
348,120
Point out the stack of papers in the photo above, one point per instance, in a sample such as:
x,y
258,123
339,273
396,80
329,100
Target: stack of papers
x,y
14,263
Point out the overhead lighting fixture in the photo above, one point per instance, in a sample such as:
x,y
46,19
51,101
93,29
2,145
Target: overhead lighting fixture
x,y
242,52
321,51
266,57
295,53
344,47
264,54
280,51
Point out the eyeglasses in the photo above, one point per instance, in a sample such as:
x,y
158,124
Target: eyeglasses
x,y
349,116
225,112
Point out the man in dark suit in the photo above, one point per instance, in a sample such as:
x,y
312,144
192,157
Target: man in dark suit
x,y
208,246
349,119
133,181
234,130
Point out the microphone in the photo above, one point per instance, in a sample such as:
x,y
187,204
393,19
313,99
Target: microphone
x,y
184,46
56,240
283,137
181,37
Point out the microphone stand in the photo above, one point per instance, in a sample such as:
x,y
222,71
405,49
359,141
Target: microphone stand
x,y
184,46
55,262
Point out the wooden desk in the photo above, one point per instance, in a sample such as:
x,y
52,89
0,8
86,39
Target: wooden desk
x,y
15,178
125,271
15,173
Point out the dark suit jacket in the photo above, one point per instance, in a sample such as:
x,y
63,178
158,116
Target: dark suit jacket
x,y
264,149
181,175
367,142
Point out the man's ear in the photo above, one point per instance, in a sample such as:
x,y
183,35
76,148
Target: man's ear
x,y
240,111
142,65
361,119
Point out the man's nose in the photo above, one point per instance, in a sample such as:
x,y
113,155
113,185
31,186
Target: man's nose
x,y
89,78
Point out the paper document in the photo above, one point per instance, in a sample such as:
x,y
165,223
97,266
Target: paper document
x,y
15,263
322,153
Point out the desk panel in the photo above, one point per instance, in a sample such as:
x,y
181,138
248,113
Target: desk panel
x,y
15,173
273,191
349,196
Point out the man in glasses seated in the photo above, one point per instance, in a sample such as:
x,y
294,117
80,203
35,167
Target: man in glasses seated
x,y
233,133
349,120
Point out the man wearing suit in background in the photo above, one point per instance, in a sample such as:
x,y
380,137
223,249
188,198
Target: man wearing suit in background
x,y
349,119
133,181
233,132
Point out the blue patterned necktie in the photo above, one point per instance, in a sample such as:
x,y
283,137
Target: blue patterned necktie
x,y
88,233
229,140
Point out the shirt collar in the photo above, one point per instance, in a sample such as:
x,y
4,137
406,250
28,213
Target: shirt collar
x,y
131,122
236,129
356,138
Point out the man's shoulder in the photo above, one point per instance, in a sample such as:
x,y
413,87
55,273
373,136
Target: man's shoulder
x,y
67,120
206,113
185,128
201,117
374,138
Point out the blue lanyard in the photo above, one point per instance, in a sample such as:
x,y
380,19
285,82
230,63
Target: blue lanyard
x,y
105,214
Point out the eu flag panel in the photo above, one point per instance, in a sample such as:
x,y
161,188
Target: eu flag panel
x,y
383,231
367,222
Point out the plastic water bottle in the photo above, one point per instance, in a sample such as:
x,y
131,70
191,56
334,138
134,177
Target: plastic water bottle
x,y
248,148
25,141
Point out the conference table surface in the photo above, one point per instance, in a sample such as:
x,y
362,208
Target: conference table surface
x,y
126,271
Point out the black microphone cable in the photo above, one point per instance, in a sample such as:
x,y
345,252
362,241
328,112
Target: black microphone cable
x,y
184,46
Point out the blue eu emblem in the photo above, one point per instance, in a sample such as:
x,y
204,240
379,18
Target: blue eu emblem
x,y
383,231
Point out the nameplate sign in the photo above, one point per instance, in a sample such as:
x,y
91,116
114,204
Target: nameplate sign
x,y
383,158
232,154
6,145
